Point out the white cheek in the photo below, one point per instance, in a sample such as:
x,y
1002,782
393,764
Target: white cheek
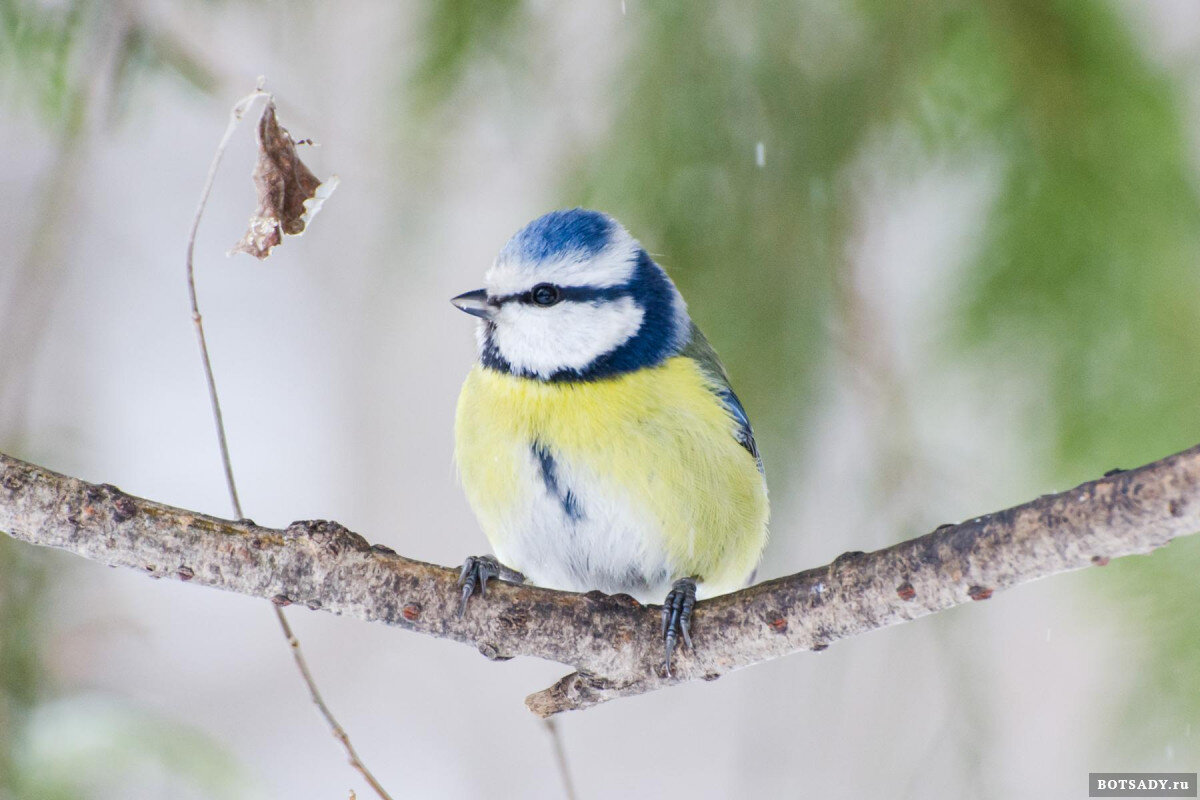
x,y
566,336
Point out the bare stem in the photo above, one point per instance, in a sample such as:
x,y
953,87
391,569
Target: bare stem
x,y
235,117
560,758
338,731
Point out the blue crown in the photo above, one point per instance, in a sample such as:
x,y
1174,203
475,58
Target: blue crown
x,y
577,232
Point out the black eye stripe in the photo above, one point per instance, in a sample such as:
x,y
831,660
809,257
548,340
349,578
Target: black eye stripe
x,y
575,294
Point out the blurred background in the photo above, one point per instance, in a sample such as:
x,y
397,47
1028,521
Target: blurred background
x,y
949,251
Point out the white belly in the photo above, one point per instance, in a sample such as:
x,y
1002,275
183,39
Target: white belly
x,y
579,533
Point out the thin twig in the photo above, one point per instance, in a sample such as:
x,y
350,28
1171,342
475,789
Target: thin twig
x,y
560,758
339,732
235,117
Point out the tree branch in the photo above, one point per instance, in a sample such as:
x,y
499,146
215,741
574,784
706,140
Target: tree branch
x,y
613,642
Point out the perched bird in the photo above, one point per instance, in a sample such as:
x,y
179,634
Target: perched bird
x,y
598,439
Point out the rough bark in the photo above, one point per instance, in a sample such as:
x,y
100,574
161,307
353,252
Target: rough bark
x,y
612,642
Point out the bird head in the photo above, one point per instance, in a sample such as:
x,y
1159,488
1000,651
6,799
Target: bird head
x,y
573,296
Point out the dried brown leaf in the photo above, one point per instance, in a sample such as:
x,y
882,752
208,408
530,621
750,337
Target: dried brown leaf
x,y
289,195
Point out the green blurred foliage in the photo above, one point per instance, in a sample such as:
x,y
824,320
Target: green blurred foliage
x,y
37,44
84,744
22,581
54,55
1090,260
145,52
455,35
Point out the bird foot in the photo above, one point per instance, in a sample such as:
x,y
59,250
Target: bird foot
x,y
677,617
477,571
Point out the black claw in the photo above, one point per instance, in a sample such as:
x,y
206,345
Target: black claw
x,y
677,617
467,588
477,571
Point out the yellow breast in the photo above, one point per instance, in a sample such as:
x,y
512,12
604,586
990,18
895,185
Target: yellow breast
x,y
654,445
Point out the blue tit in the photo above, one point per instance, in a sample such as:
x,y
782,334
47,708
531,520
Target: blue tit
x,y
598,440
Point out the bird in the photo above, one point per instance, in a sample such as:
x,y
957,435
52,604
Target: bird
x,y
597,438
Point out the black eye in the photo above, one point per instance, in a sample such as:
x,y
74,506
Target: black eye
x,y
545,294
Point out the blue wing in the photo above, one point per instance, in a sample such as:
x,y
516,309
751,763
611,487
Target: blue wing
x,y
745,434
701,351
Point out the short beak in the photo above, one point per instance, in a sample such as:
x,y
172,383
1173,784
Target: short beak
x,y
474,303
